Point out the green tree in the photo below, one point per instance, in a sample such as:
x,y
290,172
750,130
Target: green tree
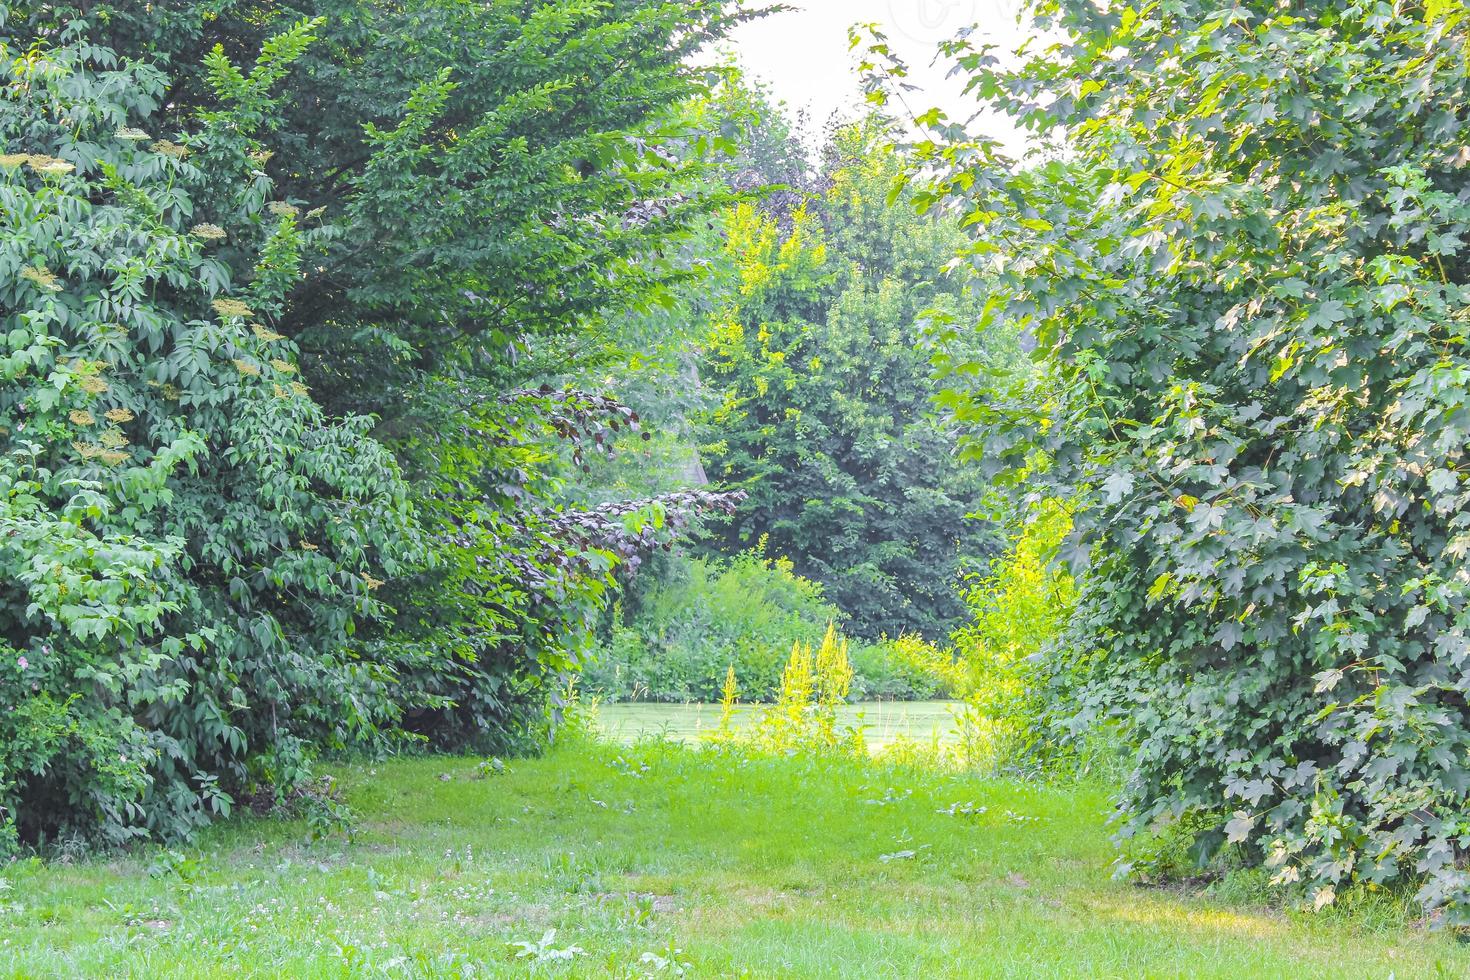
x,y
420,211
483,185
186,542
484,179
1248,280
825,420
657,363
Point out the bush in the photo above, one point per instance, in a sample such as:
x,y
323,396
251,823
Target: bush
x,y
1019,608
187,544
209,572
909,668
1248,284
704,618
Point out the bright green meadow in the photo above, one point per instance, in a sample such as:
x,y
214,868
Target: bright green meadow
x,y
659,859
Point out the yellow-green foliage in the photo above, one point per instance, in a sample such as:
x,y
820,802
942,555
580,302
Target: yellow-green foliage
x,y
833,677
804,717
761,253
788,718
1020,606
980,744
729,694
918,656
936,754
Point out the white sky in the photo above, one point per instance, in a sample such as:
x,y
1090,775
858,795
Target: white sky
x,y
804,53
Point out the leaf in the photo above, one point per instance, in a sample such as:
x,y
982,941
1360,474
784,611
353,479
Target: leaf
x,y
1117,486
1238,828
1438,10
1228,634
1391,295
1325,315
1159,587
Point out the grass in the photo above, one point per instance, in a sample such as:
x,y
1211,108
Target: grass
x,y
882,721
746,866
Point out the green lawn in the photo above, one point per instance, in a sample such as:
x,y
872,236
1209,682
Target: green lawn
x,y
751,867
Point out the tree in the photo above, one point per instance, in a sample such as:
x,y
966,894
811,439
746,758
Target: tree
x,y
1248,281
316,499
826,420
483,184
484,179
187,542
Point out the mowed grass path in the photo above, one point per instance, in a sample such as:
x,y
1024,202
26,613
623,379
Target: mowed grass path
x,y
748,866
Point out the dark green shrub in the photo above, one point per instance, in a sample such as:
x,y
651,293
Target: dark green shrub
x,y
210,573
491,180
187,544
1248,281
